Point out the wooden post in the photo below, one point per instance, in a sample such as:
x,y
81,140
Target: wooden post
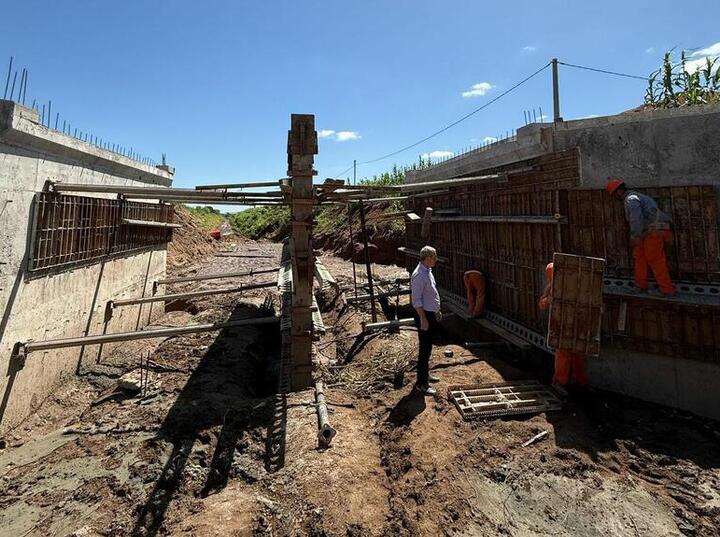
x,y
302,146
368,267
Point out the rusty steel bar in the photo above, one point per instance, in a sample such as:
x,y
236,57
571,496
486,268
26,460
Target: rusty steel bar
x,y
24,348
192,294
214,276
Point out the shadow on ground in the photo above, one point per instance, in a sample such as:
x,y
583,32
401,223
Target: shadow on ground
x,y
230,389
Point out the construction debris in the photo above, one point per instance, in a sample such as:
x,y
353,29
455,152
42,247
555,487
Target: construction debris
x,y
535,438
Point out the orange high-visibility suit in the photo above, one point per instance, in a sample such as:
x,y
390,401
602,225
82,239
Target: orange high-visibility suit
x,y
569,365
650,251
475,287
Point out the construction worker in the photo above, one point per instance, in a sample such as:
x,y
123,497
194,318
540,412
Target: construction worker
x,y
649,231
426,301
475,288
569,365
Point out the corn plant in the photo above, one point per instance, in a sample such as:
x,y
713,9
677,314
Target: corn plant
x,y
674,85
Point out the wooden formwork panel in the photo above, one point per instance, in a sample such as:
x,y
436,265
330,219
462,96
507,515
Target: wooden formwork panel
x,y
576,307
681,330
597,227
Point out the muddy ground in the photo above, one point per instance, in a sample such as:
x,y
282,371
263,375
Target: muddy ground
x,y
197,451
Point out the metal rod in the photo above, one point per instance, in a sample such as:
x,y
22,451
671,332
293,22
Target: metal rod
x,y
556,91
361,298
352,250
389,324
193,294
215,276
148,223
177,192
7,80
31,346
248,256
430,185
508,219
368,268
326,432
238,185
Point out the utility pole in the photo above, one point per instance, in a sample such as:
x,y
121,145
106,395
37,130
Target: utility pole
x,y
354,171
556,91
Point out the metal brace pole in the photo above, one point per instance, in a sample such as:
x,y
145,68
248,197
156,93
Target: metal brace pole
x,y
368,268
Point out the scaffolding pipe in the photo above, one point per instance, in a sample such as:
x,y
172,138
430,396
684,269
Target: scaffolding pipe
x,y
326,432
193,294
245,256
370,327
431,185
238,185
368,267
24,348
361,298
161,191
149,223
215,276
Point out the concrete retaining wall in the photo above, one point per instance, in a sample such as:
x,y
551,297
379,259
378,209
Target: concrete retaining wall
x,y
648,149
69,303
674,382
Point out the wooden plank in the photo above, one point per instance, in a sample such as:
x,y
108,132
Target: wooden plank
x,y
576,306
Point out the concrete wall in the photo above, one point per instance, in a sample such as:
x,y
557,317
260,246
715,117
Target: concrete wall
x,y
674,382
69,303
648,149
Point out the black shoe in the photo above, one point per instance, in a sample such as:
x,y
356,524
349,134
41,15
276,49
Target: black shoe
x,y
425,390
433,378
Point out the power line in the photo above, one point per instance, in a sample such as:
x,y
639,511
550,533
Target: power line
x,y
451,125
644,78
458,121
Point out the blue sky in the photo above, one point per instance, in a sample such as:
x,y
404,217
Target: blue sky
x,y
213,83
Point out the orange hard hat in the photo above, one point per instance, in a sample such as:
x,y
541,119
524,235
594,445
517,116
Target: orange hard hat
x,y
549,271
613,185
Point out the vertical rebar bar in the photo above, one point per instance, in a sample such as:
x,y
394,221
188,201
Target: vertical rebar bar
x,y
7,80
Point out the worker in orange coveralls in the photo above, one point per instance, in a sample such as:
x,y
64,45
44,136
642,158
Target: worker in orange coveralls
x,y
649,231
475,287
569,365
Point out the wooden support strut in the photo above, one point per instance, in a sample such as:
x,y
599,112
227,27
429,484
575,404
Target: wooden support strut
x,y
302,146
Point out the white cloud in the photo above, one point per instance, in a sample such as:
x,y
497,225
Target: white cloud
x,y
438,154
339,136
649,50
699,57
528,49
344,136
478,90
489,140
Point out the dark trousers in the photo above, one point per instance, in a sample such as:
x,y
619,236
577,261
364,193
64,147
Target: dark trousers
x,y
425,338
